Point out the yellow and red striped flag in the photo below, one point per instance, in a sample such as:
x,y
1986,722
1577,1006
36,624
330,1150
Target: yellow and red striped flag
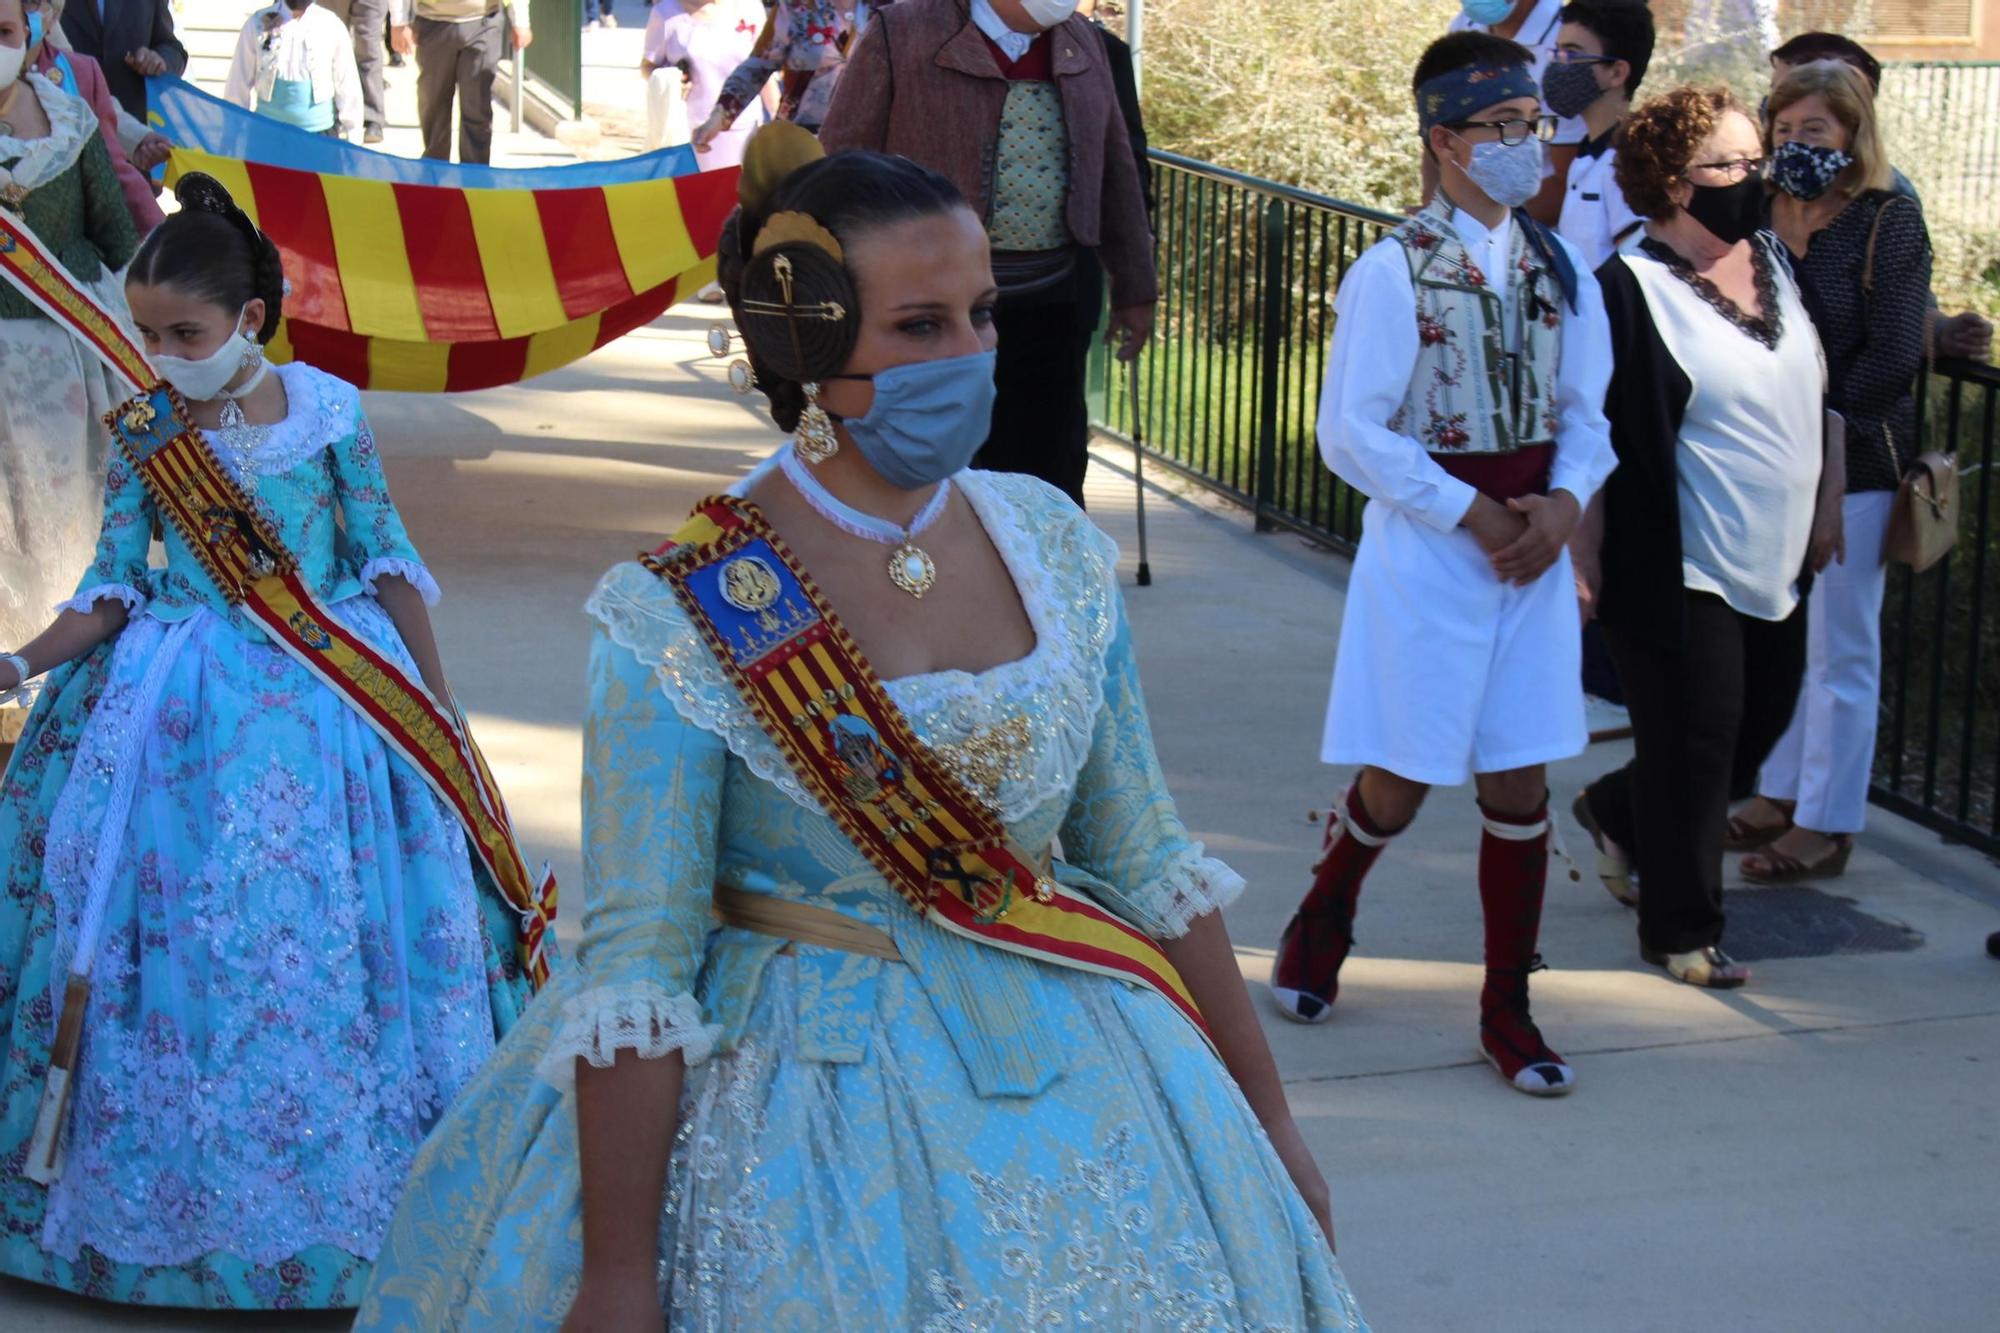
x,y
428,288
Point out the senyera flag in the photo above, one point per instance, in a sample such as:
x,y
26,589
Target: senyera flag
x,y
417,276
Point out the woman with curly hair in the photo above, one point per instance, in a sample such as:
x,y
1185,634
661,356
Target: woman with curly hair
x,y
1863,258
1725,502
287,966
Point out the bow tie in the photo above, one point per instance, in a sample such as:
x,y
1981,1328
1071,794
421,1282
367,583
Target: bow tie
x,y
745,25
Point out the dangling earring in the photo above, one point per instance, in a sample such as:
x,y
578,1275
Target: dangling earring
x,y
814,438
741,377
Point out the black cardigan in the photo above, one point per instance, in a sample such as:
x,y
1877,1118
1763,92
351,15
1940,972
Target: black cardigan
x,y
1644,592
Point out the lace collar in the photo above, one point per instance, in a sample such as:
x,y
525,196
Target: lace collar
x,y
1019,732
317,415
1768,327
32,163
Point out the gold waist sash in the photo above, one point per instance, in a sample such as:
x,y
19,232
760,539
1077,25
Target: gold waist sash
x,y
761,914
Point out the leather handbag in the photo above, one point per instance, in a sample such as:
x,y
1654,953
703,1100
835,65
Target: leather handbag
x,y
1923,524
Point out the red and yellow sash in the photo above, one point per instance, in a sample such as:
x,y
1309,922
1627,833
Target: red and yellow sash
x,y
815,695
248,562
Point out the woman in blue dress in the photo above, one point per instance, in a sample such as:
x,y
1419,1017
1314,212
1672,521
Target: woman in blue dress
x,y
828,1111
295,971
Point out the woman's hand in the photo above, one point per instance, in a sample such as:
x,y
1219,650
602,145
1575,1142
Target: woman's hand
x,y
1829,538
626,1303
704,135
1298,1160
1588,569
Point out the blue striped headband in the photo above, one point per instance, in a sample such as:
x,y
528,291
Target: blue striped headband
x,y
1452,96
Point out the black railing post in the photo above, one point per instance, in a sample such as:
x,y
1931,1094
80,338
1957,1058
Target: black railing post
x,y
1271,323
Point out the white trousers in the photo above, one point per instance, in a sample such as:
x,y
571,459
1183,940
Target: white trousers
x,y
666,109
1824,758
1444,671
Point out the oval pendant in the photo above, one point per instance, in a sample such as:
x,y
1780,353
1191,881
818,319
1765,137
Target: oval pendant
x,y
912,570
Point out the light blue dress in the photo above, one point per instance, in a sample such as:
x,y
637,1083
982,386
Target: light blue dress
x,y
964,1139
297,969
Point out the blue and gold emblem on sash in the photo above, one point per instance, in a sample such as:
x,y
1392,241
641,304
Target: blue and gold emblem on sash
x,y
753,601
749,584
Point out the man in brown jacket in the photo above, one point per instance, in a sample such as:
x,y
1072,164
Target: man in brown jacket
x,y
1013,100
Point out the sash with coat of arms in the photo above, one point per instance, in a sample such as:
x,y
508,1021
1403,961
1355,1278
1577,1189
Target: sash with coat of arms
x,y
247,560
801,673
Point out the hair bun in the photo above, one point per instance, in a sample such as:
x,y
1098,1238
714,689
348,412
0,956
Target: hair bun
x,y
204,193
815,339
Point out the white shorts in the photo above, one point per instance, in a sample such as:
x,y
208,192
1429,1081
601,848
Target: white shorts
x,y
1444,671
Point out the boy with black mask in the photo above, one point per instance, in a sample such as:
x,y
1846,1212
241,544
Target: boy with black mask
x,y
1601,56
1464,395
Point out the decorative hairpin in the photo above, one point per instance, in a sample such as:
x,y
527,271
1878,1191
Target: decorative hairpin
x,y
830,311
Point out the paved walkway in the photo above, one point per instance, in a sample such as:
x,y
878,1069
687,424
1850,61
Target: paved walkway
x,y
1818,1152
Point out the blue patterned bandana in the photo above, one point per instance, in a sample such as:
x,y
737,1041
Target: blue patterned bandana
x,y
1452,96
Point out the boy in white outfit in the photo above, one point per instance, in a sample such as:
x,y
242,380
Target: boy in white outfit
x,y
295,63
1464,395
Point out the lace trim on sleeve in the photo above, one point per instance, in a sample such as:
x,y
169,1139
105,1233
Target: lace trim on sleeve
x,y
86,601
641,615
631,1016
1193,885
413,570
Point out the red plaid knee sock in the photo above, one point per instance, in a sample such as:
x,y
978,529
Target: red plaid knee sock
x,y
1513,869
1306,977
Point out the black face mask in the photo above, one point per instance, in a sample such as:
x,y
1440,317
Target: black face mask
x,y
1731,213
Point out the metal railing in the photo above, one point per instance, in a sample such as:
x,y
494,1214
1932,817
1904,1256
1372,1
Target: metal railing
x,y
1230,384
1229,392
1937,759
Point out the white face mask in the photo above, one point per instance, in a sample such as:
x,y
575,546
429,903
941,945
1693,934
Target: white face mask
x,y
199,381
1047,13
12,58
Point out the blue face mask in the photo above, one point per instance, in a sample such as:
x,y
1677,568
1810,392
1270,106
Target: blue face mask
x,y
928,418
1486,13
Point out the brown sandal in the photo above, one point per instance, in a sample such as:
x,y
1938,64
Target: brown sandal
x,y
1770,866
1740,835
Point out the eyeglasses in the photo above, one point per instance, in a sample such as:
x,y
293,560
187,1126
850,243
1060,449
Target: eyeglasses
x,y
1736,169
1563,56
1514,132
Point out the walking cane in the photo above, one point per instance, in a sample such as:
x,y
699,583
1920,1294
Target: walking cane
x,y
1139,473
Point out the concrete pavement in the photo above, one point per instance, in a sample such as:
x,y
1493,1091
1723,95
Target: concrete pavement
x,y
1818,1152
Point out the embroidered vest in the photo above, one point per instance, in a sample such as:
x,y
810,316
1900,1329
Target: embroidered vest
x,y
1471,394
1031,171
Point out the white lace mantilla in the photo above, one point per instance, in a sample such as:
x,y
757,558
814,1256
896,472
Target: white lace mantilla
x,y
636,1016
1065,572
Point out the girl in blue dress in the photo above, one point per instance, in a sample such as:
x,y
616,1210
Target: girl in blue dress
x,y
293,970
822,1109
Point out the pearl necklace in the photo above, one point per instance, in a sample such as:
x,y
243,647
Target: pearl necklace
x,y
910,566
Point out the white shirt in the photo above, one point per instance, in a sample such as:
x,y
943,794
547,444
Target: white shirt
x,y
1539,35
1751,442
1374,353
1594,210
1015,44
314,47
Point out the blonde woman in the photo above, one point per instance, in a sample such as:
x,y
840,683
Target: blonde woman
x,y
1833,196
